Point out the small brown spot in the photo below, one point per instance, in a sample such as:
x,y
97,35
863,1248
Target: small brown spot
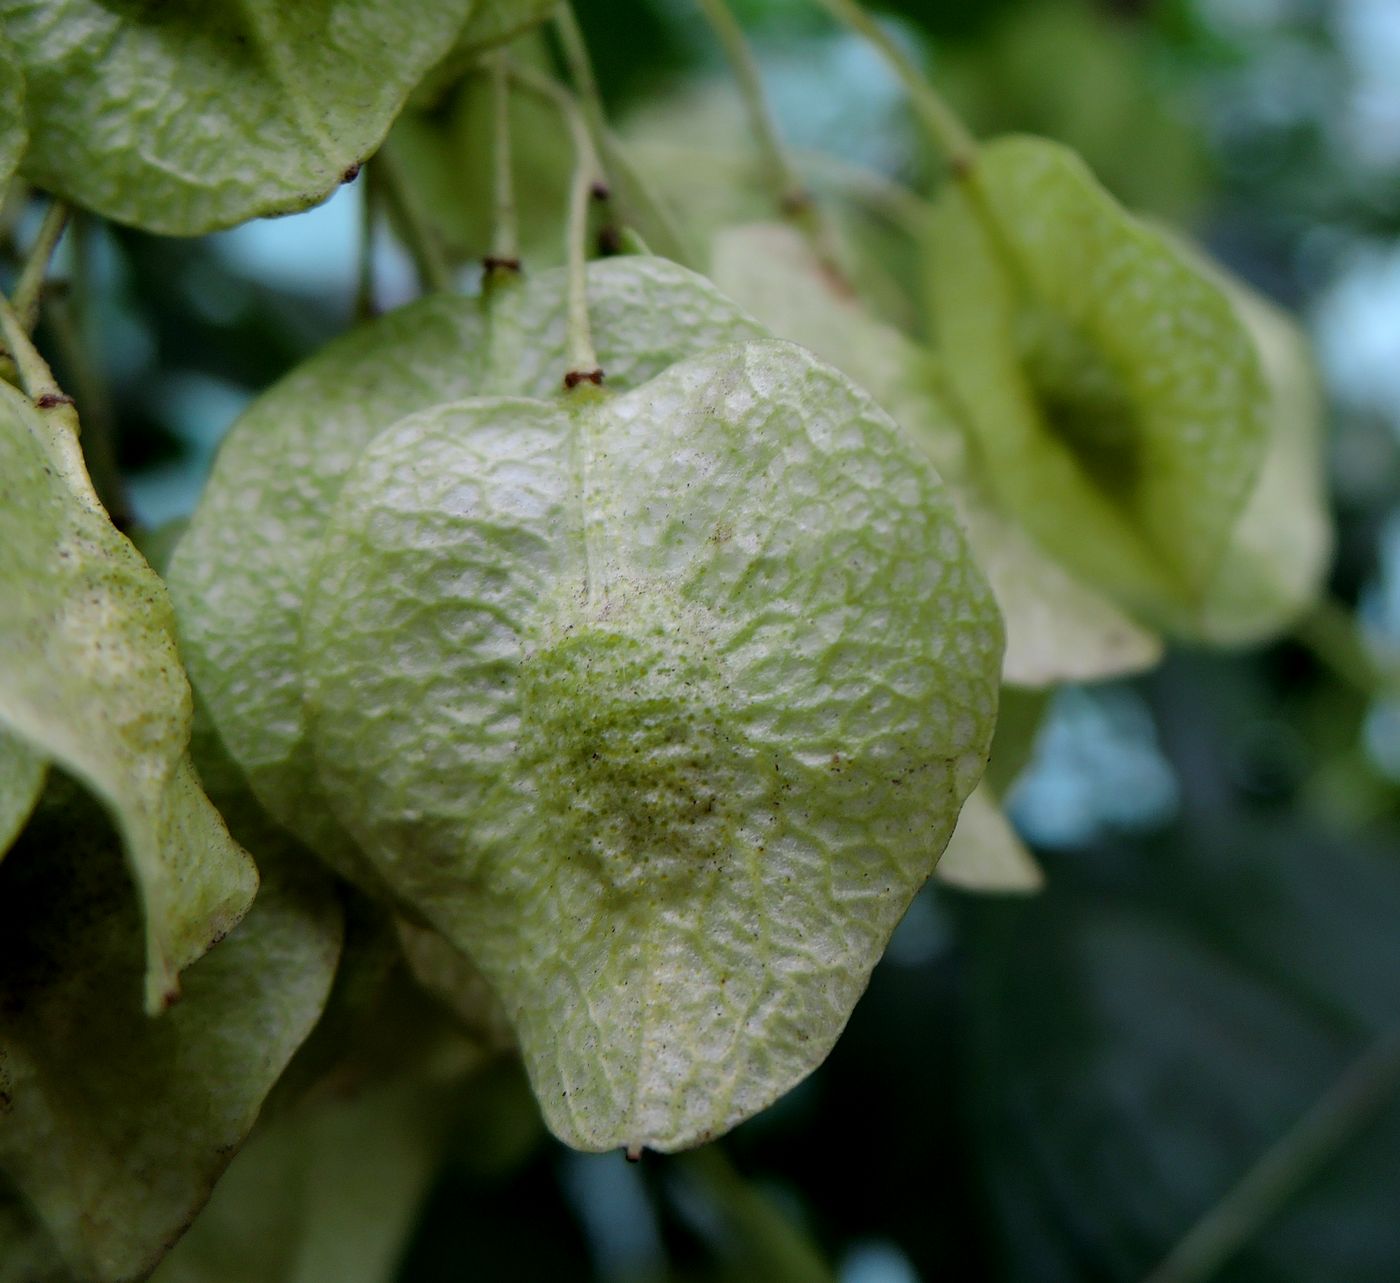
x,y
609,240
634,1153
351,174
795,202
574,377
51,399
495,263
599,191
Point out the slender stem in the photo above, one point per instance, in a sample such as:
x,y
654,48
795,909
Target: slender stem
x,y
583,360
99,453
789,191
628,191
883,196
580,68
1331,634
419,239
772,1246
72,318
505,244
587,181
60,417
35,376
365,305
947,131
1367,1085
30,285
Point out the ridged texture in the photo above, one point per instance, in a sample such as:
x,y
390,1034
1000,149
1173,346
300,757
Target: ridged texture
x,y
662,705
239,575
184,116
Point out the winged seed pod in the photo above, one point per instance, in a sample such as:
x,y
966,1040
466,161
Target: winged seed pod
x,y
1116,396
90,679
660,704
663,706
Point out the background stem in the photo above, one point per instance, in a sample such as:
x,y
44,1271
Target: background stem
x,y
1339,1115
418,238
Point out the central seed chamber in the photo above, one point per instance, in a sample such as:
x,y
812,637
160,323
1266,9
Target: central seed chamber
x,y
622,738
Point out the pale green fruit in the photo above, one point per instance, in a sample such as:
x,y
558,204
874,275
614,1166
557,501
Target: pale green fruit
x,y
90,678
1276,564
238,577
117,1126
1114,393
1058,628
185,116
660,704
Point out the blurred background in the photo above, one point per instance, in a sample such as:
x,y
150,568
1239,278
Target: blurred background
x,y
1056,1087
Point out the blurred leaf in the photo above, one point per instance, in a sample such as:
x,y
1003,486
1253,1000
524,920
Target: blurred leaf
x,y
117,1124
14,135
694,147
1138,1051
1074,71
492,23
194,117
750,1237
447,973
1280,551
1115,395
27,1253
984,853
90,677
329,1191
447,156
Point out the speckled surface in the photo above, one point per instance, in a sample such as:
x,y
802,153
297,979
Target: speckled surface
x,y
193,116
239,575
662,704
90,678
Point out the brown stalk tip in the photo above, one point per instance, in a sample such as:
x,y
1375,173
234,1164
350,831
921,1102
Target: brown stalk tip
x,y
351,174
796,202
960,166
634,1153
609,241
50,399
599,191
574,377
496,263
